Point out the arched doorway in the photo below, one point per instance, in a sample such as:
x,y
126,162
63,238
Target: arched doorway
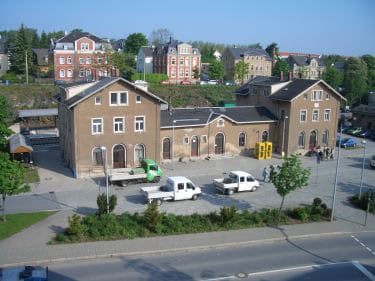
x,y
139,154
194,146
167,148
313,140
265,136
119,156
219,143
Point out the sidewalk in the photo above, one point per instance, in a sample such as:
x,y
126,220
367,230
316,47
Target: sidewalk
x,y
17,251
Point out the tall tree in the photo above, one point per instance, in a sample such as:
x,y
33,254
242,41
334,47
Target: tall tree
x,y
216,70
5,120
289,176
44,41
333,77
281,66
370,62
19,49
241,69
134,42
271,47
160,36
355,80
11,178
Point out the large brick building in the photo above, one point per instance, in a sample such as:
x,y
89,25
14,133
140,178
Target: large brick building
x,y
180,61
82,56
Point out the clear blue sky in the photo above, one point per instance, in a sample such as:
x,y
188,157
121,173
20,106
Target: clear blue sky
x,y
345,27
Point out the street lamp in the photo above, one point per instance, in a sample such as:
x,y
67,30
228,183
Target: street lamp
x,y
103,148
336,176
363,167
283,140
173,125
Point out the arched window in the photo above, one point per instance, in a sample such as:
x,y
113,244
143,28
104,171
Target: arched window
x,y
119,156
265,136
313,139
242,139
325,137
219,143
301,140
139,154
97,156
167,148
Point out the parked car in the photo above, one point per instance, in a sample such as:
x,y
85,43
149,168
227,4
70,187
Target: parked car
x,y
349,142
363,133
342,140
372,136
236,181
345,129
176,188
372,161
354,130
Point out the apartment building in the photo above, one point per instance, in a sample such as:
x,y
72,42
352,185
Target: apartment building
x,y
180,61
306,67
82,56
258,61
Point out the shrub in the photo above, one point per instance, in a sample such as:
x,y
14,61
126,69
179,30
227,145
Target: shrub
x,y
152,216
361,202
76,228
228,215
101,201
272,216
317,201
256,218
301,214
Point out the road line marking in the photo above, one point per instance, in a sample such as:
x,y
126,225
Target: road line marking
x,y
363,245
361,268
305,267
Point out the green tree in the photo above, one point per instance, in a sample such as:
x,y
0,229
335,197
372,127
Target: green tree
x,y
101,201
355,80
280,65
333,77
44,41
134,42
152,216
271,47
241,69
196,73
216,70
5,120
11,178
370,62
18,51
289,176
160,36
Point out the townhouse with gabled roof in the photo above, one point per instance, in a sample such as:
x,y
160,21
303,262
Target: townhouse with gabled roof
x,y
82,56
306,67
307,110
258,61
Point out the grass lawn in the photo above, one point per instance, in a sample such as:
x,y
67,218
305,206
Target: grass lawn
x,y
17,222
31,174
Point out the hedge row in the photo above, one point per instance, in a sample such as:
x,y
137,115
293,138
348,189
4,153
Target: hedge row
x,y
361,202
153,223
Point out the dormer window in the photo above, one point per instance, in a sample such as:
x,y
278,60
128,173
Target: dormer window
x,y
84,46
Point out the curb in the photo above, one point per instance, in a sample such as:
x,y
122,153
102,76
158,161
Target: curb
x,y
183,249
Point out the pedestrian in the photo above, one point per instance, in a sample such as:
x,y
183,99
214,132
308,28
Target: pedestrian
x,y
332,153
326,151
318,157
265,173
321,155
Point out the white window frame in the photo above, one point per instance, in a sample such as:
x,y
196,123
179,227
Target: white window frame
x,y
327,96
101,123
70,73
118,98
81,73
69,60
329,114
117,123
136,99
300,115
185,140
62,60
139,122
62,73
314,93
98,100
88,60
81,60
218,122
315,110
204,139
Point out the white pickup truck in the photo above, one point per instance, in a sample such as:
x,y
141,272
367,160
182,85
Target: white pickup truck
x,y
235,182
176,188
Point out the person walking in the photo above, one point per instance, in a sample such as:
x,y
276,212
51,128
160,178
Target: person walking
x,y
265,174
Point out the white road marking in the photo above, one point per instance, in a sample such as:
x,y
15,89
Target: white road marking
x,y
364,270
363,245
306,267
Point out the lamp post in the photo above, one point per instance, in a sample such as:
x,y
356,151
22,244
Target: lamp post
x,y
283,140
363,167
103,148
173,125
336,175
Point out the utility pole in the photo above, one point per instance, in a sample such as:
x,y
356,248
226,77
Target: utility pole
x,y
27,69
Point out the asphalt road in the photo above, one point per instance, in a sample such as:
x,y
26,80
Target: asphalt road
x,y
335,258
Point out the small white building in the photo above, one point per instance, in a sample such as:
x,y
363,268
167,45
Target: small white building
x,y
144,59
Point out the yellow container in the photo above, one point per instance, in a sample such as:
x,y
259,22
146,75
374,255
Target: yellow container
x,y
260,150
268,145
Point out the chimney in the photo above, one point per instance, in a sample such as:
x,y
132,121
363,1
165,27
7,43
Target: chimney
x,y
281,75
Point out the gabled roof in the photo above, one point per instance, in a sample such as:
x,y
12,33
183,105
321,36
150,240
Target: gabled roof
x,y
258,81
100,85
201,116
73,36
303,60
148,51
297,87
238,52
